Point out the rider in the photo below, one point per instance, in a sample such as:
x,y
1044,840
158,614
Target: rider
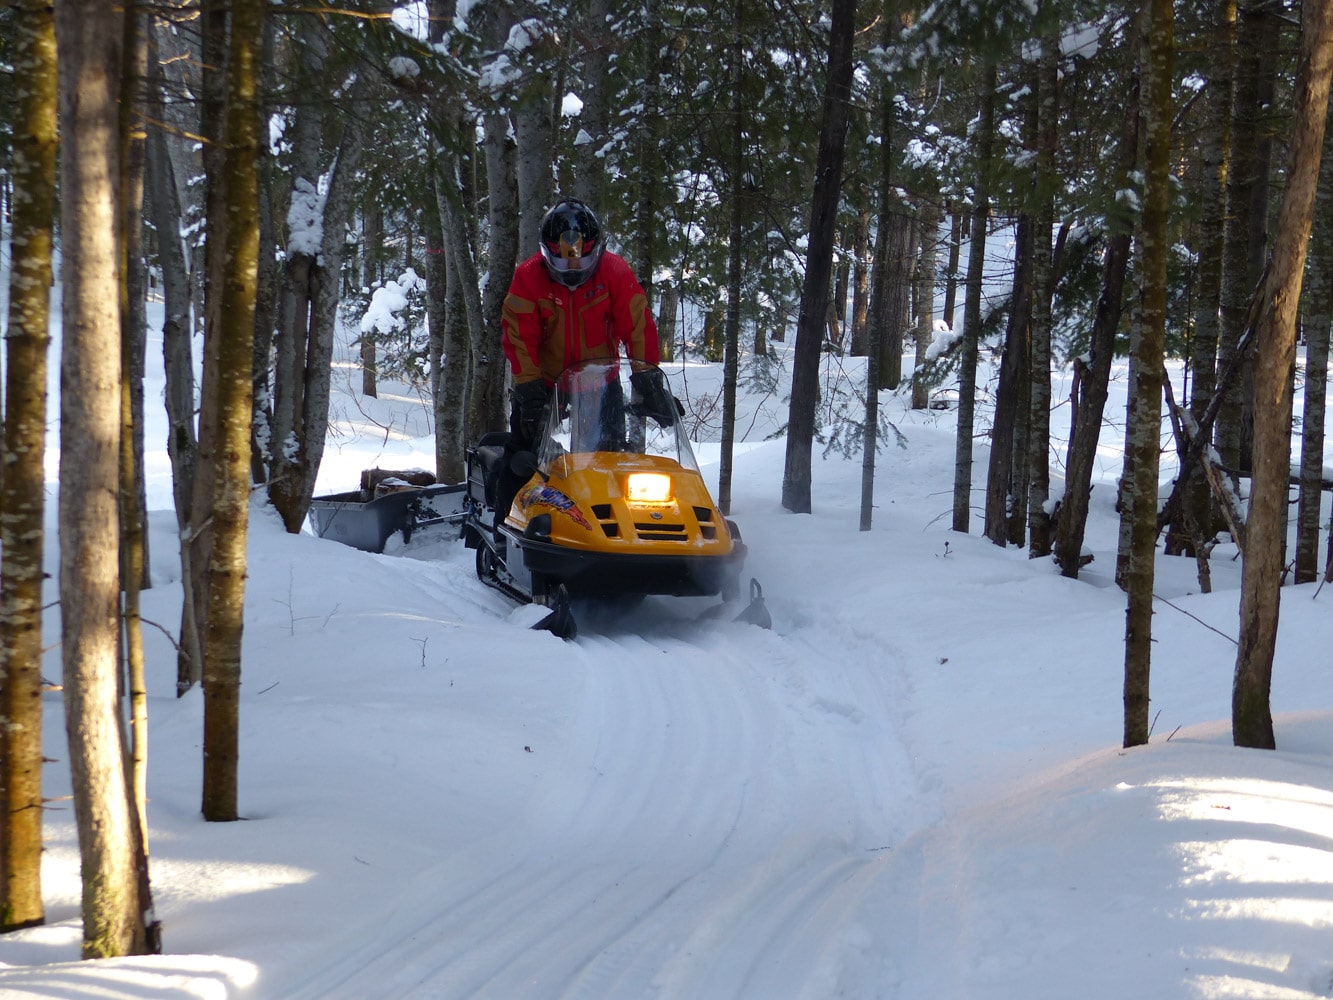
x,y
572,301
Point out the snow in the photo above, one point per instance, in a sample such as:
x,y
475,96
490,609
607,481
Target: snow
x,y
912,787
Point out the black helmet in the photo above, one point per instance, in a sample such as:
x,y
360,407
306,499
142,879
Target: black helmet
x,y
572,242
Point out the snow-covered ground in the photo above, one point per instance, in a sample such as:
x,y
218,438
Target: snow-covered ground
x,y
912,787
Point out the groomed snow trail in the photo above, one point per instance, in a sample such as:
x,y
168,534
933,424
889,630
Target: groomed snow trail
x,y
679,764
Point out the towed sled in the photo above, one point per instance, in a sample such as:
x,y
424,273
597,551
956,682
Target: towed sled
x,y
388,503
611,504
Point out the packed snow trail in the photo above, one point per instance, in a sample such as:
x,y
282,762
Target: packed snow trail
x,y
680,762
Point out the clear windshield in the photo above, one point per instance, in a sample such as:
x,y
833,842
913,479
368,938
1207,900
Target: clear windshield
x,y
614,406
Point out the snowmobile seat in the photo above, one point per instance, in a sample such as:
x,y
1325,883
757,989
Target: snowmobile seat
x,y
485,461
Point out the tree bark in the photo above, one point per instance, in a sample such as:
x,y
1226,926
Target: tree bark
x,y
1215,147
1246,225
1261,569
231,493
924,334
89,39
1094,377
22,487
819,261
1008,444
1319,320
1149,341
735,250
969,351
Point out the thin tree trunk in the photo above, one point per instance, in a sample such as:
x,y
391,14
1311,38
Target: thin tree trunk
x,y
1148,348
735,250
1261,568
860,283
969,352
231,494
1247,212
1094,380
22,487
819,261
931,216
1319,320
1215,148
1044,279
1010,395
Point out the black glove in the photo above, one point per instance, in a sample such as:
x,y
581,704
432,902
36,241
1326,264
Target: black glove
x,y
529,405
657,401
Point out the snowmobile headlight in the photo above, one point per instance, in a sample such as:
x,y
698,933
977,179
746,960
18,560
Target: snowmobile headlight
x,y
648,487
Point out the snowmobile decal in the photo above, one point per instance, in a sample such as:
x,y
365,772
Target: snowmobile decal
x,y
548,496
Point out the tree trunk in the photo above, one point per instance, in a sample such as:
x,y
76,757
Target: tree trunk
x,y
735,251
196,545
89,40
1008,445
1319,320
589,180
1044,279
860,283
313,288
969,353
1094,379
372,227
1148,347
1215,146
22,492
951,266
231,493
182,445
924,335
1261,568
133,501
819,260
1247,212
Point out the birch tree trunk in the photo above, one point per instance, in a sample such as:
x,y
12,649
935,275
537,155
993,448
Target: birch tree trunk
x,y
22,486
1261,568
89,39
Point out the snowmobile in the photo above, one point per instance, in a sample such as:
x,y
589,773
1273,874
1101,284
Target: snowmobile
x,y
612,503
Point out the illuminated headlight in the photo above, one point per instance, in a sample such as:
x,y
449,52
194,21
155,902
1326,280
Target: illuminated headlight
x,y
648,487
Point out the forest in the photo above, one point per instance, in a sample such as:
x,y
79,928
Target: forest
x,y
1147,177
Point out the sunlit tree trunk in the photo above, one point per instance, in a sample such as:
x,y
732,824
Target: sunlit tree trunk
x,y
89,43
1261,570
22,492
231,492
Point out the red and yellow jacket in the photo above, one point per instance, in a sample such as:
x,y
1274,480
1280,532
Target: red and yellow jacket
x,y
546,327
